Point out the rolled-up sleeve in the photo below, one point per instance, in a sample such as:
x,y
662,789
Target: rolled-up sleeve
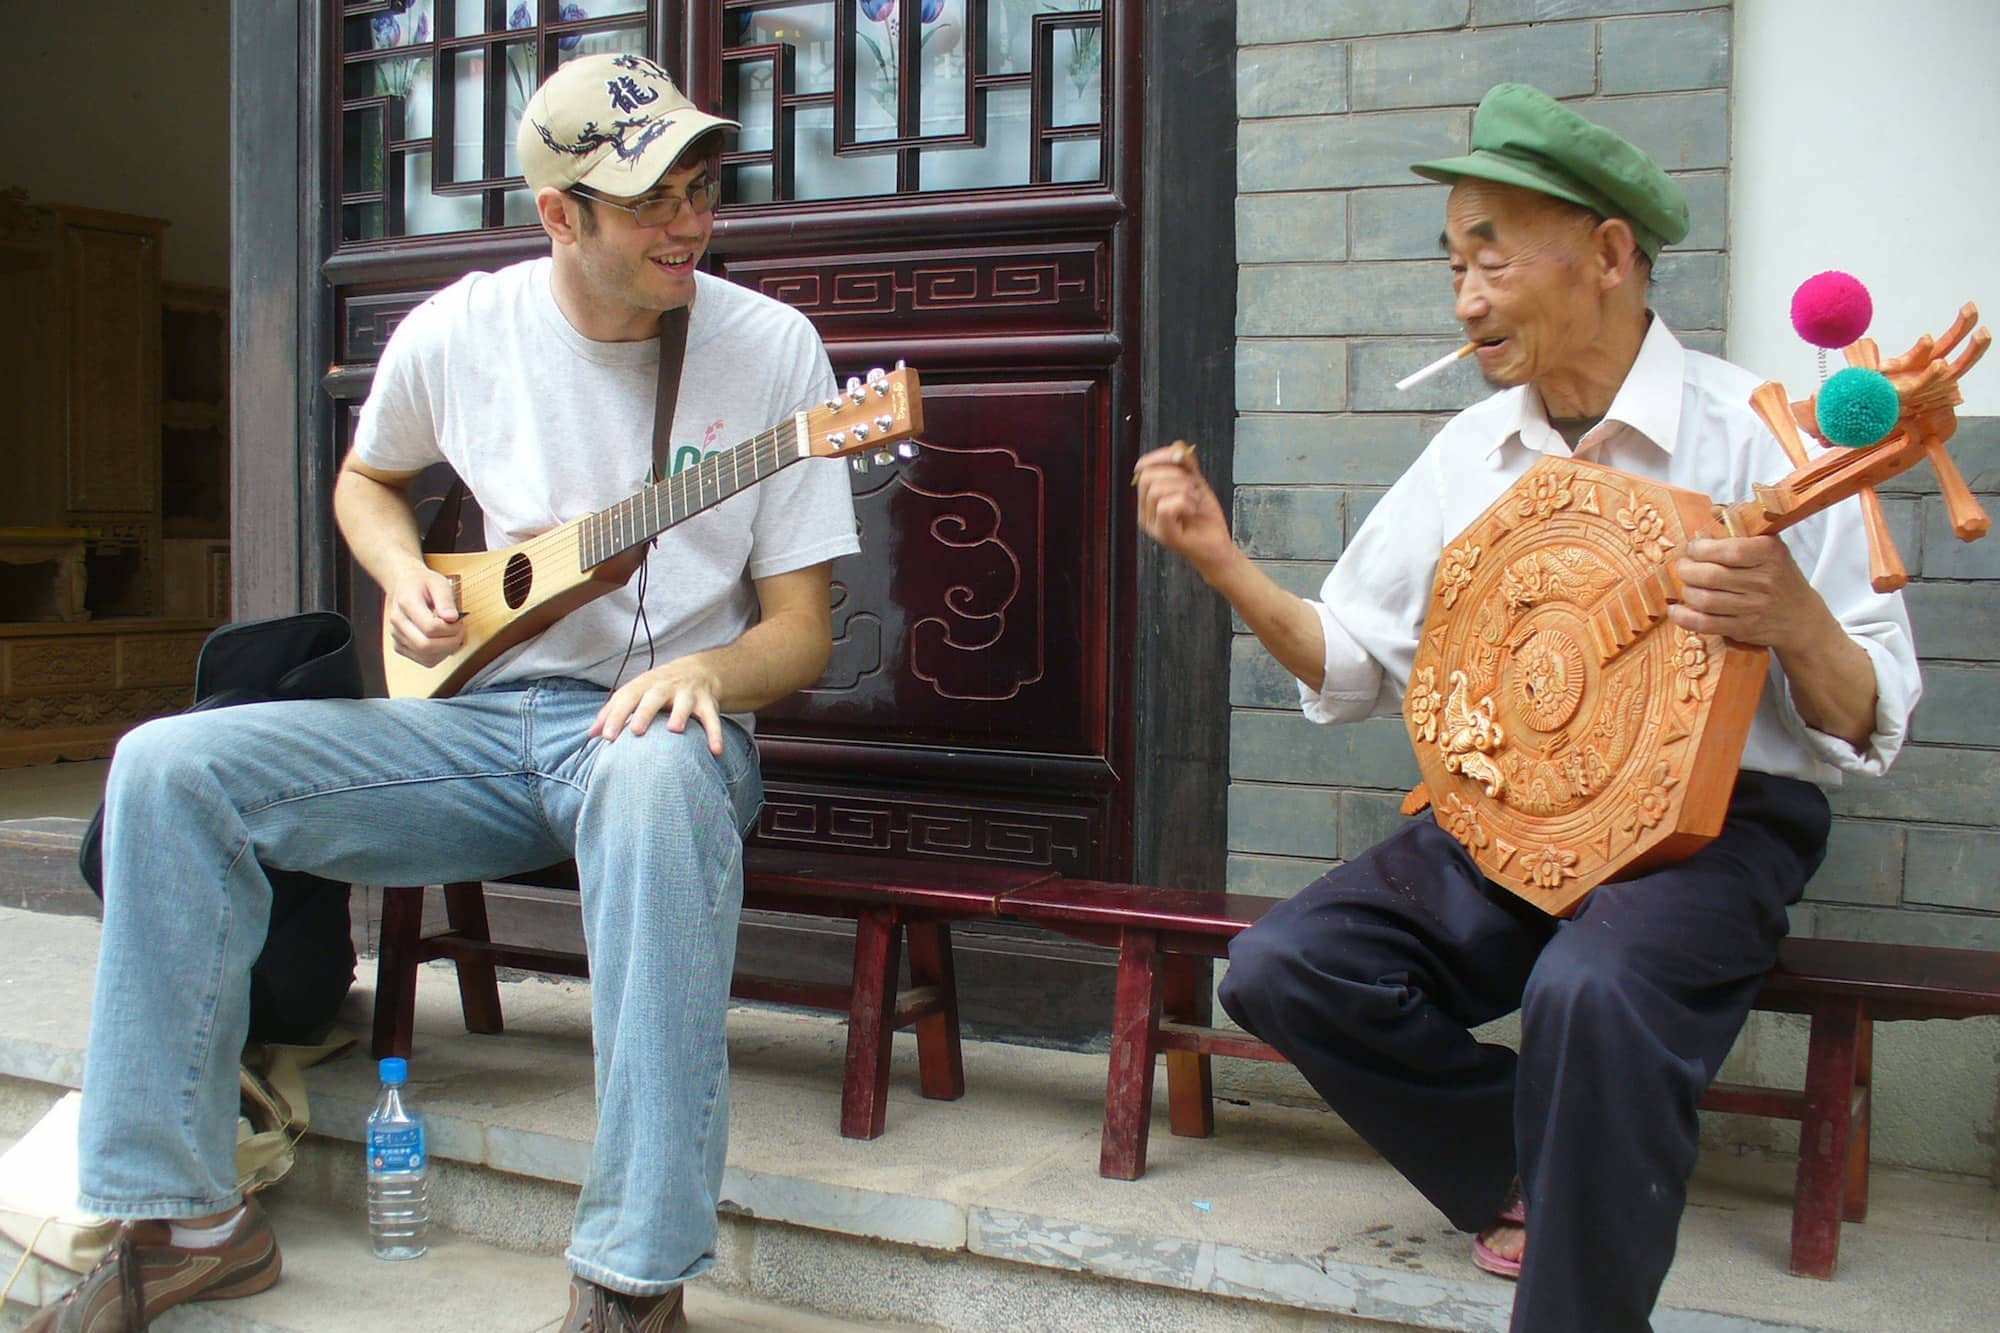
x,y
1898,686
1353,684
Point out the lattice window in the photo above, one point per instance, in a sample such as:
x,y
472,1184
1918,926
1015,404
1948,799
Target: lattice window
x,y
847,98
430,94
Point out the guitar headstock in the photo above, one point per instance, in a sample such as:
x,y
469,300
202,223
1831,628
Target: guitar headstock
x,y
873,419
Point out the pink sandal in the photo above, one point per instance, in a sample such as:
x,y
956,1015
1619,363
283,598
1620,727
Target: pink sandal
x,y
1513,1212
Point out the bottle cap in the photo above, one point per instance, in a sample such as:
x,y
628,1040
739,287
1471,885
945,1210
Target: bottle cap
x,y
395,1069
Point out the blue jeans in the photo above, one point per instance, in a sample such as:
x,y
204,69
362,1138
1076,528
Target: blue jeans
x,y
412,791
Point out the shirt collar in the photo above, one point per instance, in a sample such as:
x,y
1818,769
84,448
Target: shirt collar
x,y
1649,401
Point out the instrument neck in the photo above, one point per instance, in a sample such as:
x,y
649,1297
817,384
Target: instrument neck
x,y
656,507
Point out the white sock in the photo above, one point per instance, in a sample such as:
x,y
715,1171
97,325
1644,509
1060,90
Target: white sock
x,y
208,1237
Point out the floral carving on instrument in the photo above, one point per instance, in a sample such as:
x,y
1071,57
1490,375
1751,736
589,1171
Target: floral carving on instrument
x,y
1470,734
1549,867
1651,799
1691,663
1644,527
1455,571
1544,494
1462,821
1421,704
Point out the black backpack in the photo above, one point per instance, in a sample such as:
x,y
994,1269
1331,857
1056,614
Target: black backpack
x,y
307,965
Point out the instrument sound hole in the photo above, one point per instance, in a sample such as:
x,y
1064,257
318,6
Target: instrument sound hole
x,y
516,582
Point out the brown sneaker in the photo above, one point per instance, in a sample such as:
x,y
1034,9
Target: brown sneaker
x,y
595,1309
144,1273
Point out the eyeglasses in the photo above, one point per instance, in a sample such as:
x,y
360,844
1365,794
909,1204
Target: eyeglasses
x,y
659,211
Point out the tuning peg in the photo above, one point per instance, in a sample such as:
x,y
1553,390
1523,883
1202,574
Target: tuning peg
x,y
838,439
900,365
877,375
860,430
854,389
832,404
906,450
885,423
860,462
885,457
1885,566
1968,521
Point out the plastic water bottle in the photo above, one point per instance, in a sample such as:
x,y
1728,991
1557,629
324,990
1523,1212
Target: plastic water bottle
x,y
399,1198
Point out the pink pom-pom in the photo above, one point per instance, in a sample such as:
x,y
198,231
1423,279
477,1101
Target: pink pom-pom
x,y
1831,309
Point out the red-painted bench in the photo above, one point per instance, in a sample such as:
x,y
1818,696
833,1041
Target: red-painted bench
x,y
889,900
1164,935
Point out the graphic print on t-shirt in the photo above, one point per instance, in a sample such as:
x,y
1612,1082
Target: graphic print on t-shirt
x,y
686,455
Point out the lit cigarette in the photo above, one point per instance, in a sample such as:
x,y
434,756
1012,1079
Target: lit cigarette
x,y
1419,376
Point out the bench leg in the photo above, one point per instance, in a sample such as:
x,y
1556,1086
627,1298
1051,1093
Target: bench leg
x,y
1186,995
1863,1113
1825,1138
1128,1090
478,983
940,1062
396,971
871,1023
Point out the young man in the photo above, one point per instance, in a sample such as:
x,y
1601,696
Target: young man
x,y
620,736
1369,979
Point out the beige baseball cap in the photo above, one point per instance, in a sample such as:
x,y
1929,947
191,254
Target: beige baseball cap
x,y
613,123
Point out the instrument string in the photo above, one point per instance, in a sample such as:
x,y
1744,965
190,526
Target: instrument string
x,y
603,535
482,589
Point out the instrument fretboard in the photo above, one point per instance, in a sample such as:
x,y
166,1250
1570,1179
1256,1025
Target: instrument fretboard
x,y
658,506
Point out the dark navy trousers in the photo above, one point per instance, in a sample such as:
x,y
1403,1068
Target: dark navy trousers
x,y
1369,979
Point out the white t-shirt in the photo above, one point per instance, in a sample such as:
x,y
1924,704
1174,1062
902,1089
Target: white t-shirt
x,y
545,425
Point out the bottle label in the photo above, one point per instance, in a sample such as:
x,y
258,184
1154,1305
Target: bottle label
x,y
396,1148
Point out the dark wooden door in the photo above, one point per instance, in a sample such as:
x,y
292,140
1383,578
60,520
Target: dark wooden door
x,y
950,183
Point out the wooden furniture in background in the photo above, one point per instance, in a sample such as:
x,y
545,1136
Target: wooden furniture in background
x,y
90,644
70,691
42,574
82,420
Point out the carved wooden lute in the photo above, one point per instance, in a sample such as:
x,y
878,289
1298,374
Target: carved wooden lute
x,y
1568,733
507,596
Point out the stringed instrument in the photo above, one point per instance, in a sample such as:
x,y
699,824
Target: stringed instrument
x,y
1568,733
510,595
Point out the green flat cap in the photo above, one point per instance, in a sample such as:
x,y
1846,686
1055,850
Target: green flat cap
x,y
1522,136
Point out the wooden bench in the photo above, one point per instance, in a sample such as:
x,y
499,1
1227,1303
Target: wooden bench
x,y
1165,939
1845,988
1165,936
889,900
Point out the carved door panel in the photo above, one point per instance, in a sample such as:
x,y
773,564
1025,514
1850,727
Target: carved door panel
x,y
947,182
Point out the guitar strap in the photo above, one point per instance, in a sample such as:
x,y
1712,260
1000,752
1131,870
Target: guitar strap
x,y
442,534
667,389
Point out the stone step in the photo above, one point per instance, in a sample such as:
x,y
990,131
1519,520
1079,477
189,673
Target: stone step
x,y
988,1212
333,1284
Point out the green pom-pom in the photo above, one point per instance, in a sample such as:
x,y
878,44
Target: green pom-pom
x,y
1858,408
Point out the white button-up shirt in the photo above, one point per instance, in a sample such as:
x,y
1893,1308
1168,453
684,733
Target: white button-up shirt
x,y
1680,417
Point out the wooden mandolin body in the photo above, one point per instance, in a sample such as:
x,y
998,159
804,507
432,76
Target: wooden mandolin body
x,y
1569,734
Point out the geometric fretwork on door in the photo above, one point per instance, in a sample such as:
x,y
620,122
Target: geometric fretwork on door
x,y
430,93
1005,93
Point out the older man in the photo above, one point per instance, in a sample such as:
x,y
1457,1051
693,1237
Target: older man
x,y
1570,1158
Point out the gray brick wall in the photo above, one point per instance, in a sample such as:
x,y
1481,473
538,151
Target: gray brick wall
x,y
1341,291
